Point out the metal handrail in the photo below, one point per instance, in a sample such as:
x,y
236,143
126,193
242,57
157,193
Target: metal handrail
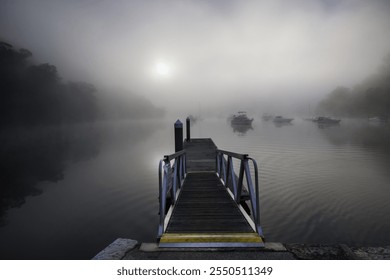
x,y
175,155
170,179
232,154
225,171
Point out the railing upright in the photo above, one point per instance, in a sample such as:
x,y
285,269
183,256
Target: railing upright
x,y
170,182
163,189
173,188
227,170
252,193
240,181
259,229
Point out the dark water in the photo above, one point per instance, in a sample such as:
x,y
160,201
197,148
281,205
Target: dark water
x,y
68,192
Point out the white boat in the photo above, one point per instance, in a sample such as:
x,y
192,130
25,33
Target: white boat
x,y
280,119
241,119
326,120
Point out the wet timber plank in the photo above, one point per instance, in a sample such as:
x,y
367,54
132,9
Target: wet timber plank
x,y
200,154
204,206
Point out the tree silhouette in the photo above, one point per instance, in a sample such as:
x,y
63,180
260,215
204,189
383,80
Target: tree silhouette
x,y
34,94
371,97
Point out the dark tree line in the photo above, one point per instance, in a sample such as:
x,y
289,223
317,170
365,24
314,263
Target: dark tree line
x,y
369,98
32,94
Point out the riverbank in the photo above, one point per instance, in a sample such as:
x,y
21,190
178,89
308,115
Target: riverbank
x,y
128,249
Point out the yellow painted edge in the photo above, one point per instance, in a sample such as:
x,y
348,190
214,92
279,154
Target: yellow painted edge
x,y
210,237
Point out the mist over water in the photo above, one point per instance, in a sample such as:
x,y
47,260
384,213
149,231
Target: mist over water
x,y
91,184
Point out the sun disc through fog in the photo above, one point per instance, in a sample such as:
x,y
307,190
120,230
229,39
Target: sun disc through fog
x,y
162,69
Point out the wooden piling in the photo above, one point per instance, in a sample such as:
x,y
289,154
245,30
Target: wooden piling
x,y
178,136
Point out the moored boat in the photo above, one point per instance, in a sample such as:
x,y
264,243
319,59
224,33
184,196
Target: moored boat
x,y
241,119
326,120
280,119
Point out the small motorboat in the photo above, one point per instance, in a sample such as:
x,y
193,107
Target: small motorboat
x,y
241,119
326,120
280,119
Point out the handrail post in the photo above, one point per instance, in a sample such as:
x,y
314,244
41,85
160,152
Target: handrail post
x,y
188,129
174,183
251,189
233,178
165,178
228,170
226,173
259,230
218,156
160,191
220,159
163,193
180,170
184,164
216,162
240,181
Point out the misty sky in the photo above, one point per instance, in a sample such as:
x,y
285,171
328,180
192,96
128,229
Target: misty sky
x,y
248,52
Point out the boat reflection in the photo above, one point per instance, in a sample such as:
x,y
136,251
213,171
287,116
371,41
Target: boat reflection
x,y
241,129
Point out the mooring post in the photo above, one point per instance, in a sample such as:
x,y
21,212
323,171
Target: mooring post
x,y
178,136
188,130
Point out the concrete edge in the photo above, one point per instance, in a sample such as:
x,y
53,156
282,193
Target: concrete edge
x,y
153,247
122,248
117,250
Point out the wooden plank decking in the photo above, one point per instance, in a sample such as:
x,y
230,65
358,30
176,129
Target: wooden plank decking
x,y
205,215
200,154
205,206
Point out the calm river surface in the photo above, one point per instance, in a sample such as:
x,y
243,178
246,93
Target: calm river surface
x,y
68,192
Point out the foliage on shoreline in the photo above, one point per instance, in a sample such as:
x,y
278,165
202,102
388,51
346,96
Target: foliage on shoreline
x,y
35,94
369,98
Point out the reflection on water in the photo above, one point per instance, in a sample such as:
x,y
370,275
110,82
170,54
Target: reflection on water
x,y
321,185
59,185
360,133
32,156
327,125
282,124
68,192
241,129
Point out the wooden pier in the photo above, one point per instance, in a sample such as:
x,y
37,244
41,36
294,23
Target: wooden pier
x,y
205,196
